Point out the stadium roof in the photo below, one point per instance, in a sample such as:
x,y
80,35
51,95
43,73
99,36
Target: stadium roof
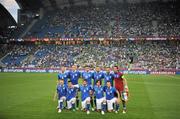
x,y
6,18
55,4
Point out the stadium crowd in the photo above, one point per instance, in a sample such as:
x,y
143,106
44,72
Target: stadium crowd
x,y
145,55
128,20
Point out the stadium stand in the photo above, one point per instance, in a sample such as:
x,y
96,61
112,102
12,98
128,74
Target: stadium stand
x,y
146,55
131,20
120,20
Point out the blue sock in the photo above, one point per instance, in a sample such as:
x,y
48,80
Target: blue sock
x,y
61,105
87,106
104,107
73,106
117,107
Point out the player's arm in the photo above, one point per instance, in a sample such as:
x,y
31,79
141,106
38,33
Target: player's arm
x,y
125,84
68,74
78,89
55,94
81,75
91,90
126,89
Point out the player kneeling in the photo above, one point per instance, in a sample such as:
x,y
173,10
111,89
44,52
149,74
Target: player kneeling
x,y
100,99
86,90
71,96
61,92
111,98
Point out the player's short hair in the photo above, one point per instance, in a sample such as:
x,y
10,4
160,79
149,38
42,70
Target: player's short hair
x,y
97,81
85,80
69,81
116,66
61,80
108,82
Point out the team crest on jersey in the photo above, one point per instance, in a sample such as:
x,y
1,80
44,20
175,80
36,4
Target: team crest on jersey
x,y
99,91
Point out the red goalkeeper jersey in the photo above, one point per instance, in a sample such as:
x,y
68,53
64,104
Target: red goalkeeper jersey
x,y
118,79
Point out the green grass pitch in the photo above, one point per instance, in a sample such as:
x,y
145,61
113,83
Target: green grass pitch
x,y
30,96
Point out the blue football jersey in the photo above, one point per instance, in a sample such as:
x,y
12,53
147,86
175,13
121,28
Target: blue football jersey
x,y
74,77
97,76
64,76
110,93
85,91
88,76
99,91
61,90
71,93
108,77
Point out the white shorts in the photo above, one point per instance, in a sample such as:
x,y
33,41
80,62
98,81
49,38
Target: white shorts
x,y
99,102
83,103
70,102
77,85
63,98
124,96
110,103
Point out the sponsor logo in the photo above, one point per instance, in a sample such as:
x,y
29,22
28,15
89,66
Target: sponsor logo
x,y
35,70
12,70
162,72
134,72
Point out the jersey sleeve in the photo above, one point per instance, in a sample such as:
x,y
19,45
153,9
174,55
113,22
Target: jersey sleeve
x,y
68,73
91,88
93,74
59,76
103,74
121,75
112,74
80,73
104,88
79,89
114,89
94,88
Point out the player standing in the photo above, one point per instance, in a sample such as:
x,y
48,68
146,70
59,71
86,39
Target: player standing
x,y
111,98
61,92
86,90
100,99
88,76
97,76
64,74
74,75
108,76
121,86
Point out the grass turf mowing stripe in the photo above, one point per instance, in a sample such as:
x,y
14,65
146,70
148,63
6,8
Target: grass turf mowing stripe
x,y
139,98
163,97
29,96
